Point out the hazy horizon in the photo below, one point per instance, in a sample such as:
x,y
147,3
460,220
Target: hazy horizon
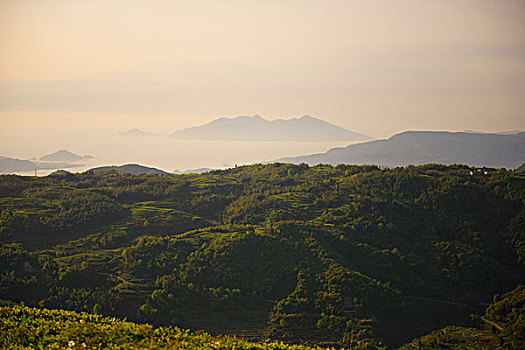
x,y
392,217
73,68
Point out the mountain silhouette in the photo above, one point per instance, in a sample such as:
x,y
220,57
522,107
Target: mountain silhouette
x,y
256,128
136,132
63,156
193,171
11,165
8,165
421,147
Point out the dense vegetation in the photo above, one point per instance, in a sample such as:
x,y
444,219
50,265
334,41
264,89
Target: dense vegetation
x,y
509,313
353,256
23,328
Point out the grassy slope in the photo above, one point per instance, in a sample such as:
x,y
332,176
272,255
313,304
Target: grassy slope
x,y
32,328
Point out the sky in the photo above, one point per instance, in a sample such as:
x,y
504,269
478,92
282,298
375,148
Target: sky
x,y
375,67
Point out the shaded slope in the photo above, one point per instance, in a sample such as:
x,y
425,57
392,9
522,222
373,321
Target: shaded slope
x,y
422,147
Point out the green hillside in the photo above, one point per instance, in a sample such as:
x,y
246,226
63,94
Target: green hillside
x,y
353,256
23,327
504,328
29,328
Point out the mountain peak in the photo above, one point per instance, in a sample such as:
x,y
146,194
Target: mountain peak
x,y
306,117
63,151
63,155
256,128
135,132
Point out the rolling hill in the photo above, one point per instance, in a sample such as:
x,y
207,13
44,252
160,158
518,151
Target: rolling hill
x,y
132,169
422,147
348,256
256,128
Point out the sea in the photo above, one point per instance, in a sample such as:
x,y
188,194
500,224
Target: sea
x,y
162,152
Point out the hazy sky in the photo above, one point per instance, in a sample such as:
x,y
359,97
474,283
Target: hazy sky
x,y
376,67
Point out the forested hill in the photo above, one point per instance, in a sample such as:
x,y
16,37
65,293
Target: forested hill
x,y
353,256
131,169
22,327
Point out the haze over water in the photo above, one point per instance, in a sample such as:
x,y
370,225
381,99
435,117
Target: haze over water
x,y
159,152
73,73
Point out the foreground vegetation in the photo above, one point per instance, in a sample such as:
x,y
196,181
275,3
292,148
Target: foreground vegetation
x,y
23,328
352,256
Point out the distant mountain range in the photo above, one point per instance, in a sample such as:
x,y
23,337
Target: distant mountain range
x,y
62,159
421,147
509,132
63,156
193,171
8,165
256,128
136,132
132,169
11,165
